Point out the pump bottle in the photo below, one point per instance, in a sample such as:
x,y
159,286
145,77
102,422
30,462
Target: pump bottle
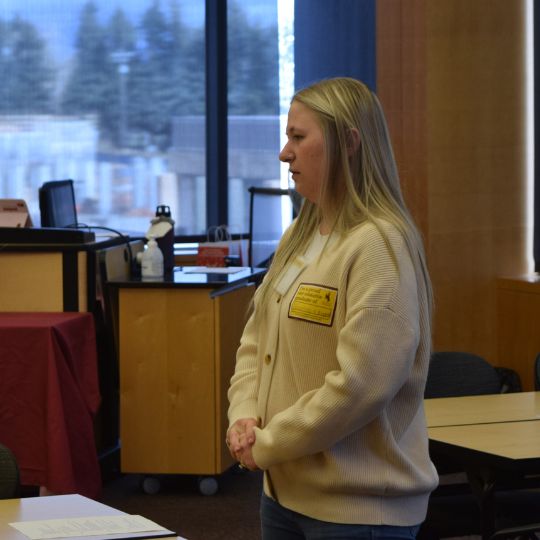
x,y
152,261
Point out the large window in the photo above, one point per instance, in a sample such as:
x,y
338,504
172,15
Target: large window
x,y
113,95
260,79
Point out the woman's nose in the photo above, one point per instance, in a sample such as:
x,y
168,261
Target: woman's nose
x,y
285,155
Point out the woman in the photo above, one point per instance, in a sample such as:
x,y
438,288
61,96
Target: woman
x,y
327,395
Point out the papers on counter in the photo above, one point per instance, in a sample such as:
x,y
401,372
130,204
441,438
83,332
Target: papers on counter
x,y
212,269
90,526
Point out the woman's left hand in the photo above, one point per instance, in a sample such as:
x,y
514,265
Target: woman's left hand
x,y
240,440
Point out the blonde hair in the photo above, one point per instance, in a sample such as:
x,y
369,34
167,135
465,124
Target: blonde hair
x,y
361,183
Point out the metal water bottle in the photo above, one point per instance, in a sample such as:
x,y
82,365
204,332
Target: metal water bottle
x,y
163,230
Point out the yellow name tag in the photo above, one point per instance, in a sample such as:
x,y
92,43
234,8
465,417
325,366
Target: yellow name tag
x,y
314,303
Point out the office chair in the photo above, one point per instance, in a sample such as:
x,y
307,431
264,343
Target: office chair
x,y
537,372
453,374
9,474
265,227
523,532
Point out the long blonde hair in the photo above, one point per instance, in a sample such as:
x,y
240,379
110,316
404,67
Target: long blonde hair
x,y
359,186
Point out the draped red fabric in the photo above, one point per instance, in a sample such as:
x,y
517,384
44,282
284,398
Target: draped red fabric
x,y
49,395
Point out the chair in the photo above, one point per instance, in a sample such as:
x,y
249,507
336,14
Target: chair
x,y
453,374
524,532
265,228
537,373
9,474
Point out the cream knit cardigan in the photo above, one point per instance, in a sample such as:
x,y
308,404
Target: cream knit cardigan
x,y
342,434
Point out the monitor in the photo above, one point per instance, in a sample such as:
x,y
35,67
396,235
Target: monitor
x,y
57,204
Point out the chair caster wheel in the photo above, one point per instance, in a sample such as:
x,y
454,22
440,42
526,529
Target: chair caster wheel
x,y
208,485
151,485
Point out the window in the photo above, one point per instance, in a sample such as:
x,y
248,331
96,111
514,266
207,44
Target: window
x,y
256,67
112,94
535,136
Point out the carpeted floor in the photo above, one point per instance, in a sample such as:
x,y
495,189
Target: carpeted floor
x,y
231,514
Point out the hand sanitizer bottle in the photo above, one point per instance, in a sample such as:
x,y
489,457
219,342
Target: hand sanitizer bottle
x,y
152,261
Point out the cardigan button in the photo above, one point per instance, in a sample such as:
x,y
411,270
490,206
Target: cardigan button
x,y
267,359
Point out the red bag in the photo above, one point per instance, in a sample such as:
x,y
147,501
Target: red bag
x,y
213,253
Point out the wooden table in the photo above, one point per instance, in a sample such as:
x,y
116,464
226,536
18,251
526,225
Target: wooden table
x,y
57,507
492,437
470,410
49,395
511,441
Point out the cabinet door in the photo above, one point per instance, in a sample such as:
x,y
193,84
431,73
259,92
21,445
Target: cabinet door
x,y
167,381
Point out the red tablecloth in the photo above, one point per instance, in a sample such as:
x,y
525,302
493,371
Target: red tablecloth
x,y
49,394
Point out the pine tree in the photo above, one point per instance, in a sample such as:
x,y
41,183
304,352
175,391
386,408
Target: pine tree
x,y
120,41
168,73
252,65
27,77
150,77
183,68
91,87
5,68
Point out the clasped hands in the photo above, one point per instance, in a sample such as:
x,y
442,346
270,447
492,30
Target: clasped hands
x,y
240,441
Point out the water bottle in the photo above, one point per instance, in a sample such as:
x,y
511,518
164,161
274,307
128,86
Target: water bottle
x,y
163,229
152,261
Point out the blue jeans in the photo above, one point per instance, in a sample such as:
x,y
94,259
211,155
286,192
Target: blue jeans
x,y
279,523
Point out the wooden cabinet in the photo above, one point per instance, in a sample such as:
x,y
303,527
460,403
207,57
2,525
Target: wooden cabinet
x,y
518,331
177,355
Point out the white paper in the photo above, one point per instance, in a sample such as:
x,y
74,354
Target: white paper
x,y
85,526
212,269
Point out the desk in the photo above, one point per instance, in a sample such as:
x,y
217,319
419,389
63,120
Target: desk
x,y
493,437
59,277
514,445
177,346
58,507
456,411
49,394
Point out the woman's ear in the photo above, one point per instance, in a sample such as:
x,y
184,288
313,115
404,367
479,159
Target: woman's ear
x,y
353,141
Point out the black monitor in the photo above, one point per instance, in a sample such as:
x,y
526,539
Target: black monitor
x,y
57,204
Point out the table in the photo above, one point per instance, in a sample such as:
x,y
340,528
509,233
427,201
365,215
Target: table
x,y
49,394
492,437
177,345
49,276
469,410
43,271
58,507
